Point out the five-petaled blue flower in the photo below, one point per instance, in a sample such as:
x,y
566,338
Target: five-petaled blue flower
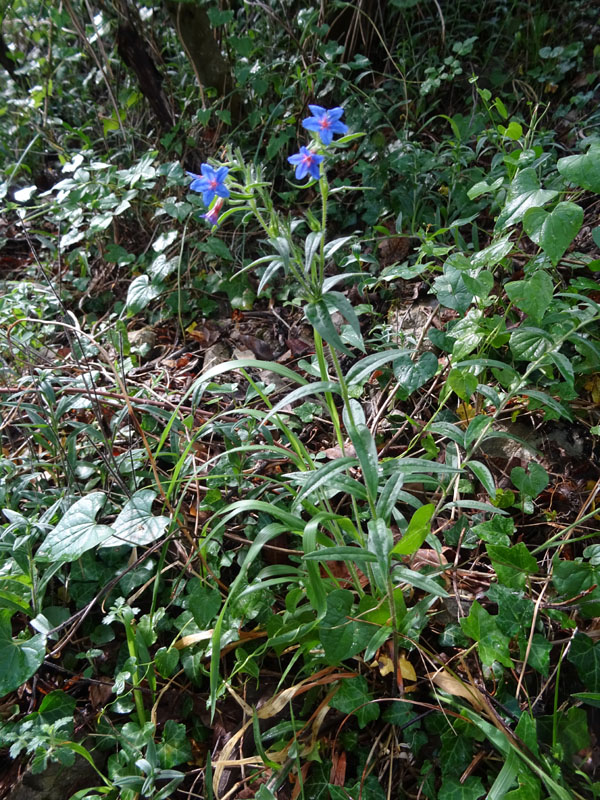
x,y
210,183
325,122
306,163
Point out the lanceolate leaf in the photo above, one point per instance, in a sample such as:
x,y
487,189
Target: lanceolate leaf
x,y
417,531
318,316
364,444
340,302
77,531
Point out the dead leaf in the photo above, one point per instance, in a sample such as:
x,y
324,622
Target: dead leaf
x,y
457,688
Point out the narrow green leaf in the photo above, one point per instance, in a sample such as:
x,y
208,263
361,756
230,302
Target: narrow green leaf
x,y
418,529
318,316
366,450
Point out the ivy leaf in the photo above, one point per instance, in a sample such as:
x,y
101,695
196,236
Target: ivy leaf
x,y
533,296
512,564
584,653
583,170
555,230
524,193
483,628
353,696
451,290
174,747
412,376
341,636
140,293
136,525
77,531
453,789
19,658
531,483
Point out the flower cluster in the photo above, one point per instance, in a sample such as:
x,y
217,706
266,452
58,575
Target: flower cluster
x,y
211,182
324,122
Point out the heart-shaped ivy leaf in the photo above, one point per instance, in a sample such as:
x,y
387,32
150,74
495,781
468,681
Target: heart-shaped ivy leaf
x,y
554,230
533,295
77,532
583,170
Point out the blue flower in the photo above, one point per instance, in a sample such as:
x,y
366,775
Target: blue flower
x,y
325,122
210,183
306,163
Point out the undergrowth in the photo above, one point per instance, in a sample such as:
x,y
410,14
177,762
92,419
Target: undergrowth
x,y
300,472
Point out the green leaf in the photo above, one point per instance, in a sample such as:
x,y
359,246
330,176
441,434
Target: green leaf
x,y
483,628
451,290
533,295
140,293
524,193
380,542
166,660
174,747
77,531
19,658
529,344
555,230
584,653
311,248
493,253
366,366
342,553
453,789
318,387
532,482
366,451
353,697
414,578
484,476
136,525
462,382
321,476
341,636
512,564
411,376
583,170
479,285
339,302
416,532
318,316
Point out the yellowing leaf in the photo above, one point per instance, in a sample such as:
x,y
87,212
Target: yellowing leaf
x,y
593,387
466,411
451,685
386,667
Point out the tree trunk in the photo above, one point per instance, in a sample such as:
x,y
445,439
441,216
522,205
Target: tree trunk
x,y
196,35
133,50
